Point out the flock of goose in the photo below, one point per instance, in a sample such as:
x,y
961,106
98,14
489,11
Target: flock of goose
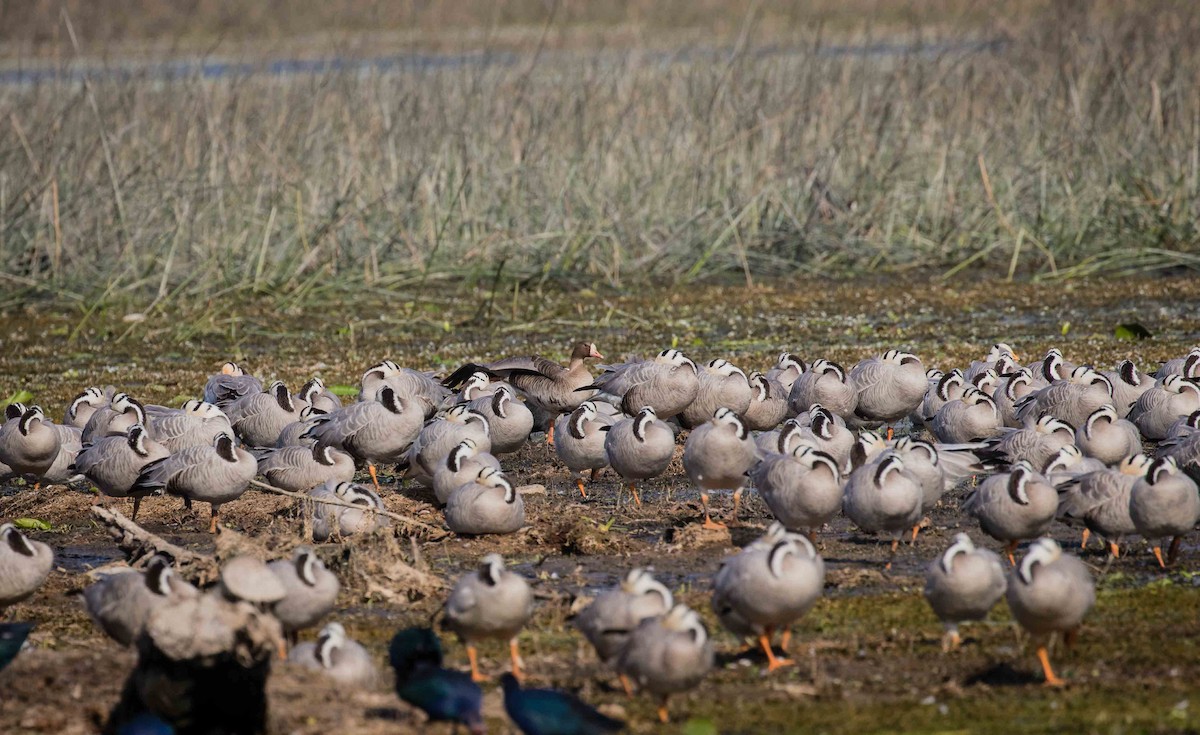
x,y
1114,452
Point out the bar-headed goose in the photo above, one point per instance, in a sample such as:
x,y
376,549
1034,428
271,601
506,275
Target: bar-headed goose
x,y
1050,593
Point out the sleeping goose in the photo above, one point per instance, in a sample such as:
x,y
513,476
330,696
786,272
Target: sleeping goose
x,y
490,602
717,456
1050,593
963,584
722,385
668,383
1164,503
889,387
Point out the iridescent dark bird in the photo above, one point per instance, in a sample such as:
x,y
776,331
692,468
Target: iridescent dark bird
x,y
12,637
550,712
444,695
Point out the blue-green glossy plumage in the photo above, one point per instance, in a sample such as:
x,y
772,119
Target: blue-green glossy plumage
x,y
548,712
416,656
12,637
147,723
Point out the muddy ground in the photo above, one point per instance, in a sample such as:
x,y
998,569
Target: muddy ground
x,y
868,655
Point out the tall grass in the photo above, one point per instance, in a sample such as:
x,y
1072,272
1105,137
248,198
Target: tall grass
x,y
1070,148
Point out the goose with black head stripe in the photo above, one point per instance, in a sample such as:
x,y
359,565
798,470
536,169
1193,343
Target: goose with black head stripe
x,y
1107,437
1128,385
580,441
768,587
329,521
24,565
373,432
1013,506
463,464
1100,500
1035,443
970,418
1160,407
717,456
829,434
548,386
768,406
668,383
608,621
441,434
1164,503
949,387
1072,400
639,448
28,442
1051,592
1187,366
825,383
490,602
883,497
310,591
83,406
215,474
889,387
802,488
419,389
788,368
229,385
509,421
488,504
317,395
299,469
194,424
113,463
259,418
963,584
1010,390
121,603
337,656
114,419
722,385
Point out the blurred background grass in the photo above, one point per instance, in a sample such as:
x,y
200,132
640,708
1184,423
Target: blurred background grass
x,y
572,143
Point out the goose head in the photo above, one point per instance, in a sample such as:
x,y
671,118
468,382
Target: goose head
x,y
642,421
725,369
1018,482
461,451
950,385
1042,551
494,478
491,569
310,390
92,397
828,367
1161,469
136,437
724,417
640,581
202,409
962,545
1050,425
580,417
281,395
1135,465
1106,413
32,417
1067,457
226,448
124,403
